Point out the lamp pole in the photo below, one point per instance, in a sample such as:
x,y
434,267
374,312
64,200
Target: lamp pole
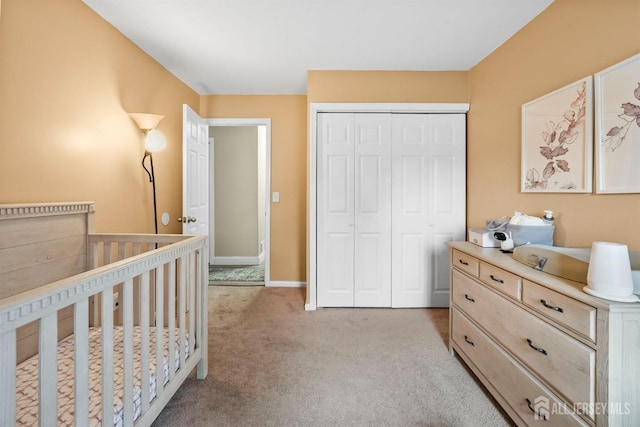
x,y
152,179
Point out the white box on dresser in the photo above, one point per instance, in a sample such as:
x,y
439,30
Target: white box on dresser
x,y
546,351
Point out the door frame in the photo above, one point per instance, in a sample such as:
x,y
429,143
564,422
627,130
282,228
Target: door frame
x,y
316,108
267,194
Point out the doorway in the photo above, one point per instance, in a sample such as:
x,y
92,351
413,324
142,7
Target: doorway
x,y
240,176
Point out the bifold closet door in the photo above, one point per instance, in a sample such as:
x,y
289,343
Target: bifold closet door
x,y
428,205
354,210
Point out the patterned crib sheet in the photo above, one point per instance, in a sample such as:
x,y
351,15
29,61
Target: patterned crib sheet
x,y
27,378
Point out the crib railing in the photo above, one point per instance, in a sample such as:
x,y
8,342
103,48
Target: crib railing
x,y
137,280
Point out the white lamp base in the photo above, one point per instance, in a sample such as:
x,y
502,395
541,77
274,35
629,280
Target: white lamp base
x,y
630,298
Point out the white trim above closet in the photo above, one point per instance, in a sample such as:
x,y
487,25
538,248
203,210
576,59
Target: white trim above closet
x,y
315,110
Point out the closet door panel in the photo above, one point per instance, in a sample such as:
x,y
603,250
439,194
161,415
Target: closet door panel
x,y
447,188
412,267
440,268
410,247
335,216
372,149
447,169
337,269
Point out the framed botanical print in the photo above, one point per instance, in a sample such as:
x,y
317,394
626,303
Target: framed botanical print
x,y
557,140
617,117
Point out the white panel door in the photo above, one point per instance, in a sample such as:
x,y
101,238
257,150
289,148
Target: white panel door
x,y
335,210
410,210
195,171
372,210
428,205
447,196
354,210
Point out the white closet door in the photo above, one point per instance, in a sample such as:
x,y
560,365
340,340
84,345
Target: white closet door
x,y
447,198
354,210
335,215
390,193
372,210
428,205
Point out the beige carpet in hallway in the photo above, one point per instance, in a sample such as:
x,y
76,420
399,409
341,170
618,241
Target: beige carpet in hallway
x,y
273,364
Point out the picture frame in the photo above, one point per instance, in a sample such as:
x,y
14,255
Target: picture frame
x,y
557,140
617,127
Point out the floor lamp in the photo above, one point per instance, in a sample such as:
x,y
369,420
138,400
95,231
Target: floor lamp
x,y
154,141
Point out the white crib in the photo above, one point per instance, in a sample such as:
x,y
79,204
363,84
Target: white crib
x,y
95,329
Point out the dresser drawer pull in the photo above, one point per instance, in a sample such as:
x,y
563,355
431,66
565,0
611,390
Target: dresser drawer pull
x,y
541,350
496,279
463,262
468,298
466,338
552,307
539,415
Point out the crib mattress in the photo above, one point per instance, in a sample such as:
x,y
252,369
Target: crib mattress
x,y
27,378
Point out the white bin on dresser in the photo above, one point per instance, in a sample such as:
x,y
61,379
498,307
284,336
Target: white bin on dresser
x,y
549,353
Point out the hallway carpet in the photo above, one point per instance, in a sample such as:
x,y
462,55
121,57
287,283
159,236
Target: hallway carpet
x,y
234,274
273,364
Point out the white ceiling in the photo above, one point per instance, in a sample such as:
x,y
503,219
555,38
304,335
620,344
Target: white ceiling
x,y
267,46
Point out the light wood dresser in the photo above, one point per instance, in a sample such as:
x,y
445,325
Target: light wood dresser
x,y
549,353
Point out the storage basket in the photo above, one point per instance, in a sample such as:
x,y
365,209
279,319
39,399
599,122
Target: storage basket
x,y
535,234
524,234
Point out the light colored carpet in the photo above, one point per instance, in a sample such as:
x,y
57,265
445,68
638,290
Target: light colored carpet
x,y
273,364
250,275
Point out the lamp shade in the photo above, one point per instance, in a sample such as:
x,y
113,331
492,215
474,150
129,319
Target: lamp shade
x,y
154,141
146,121
609,273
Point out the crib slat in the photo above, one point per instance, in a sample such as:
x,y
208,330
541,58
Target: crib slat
x,y
8,378
81,354
93,255
184,266
159,328
202,314
127,353
144,339
193,312
172,319
107,357
121,247
106,255
48,370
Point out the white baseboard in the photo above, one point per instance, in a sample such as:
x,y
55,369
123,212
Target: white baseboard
x,y
236,260
276,284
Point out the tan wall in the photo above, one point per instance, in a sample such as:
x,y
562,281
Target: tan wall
x,y
387,86
68,80
571,39
288,171
236,190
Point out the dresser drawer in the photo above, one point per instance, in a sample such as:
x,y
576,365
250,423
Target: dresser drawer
x,y
528,398
573,314
465,293
561,361
505,282
464,262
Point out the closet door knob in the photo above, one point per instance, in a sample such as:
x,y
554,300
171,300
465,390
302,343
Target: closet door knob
x,y
187,219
